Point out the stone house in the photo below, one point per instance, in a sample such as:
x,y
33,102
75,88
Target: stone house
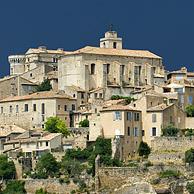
x,y
116,70
15,86
123,125
32,111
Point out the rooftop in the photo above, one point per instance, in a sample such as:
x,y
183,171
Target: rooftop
x,y
159,107
119,108
6,130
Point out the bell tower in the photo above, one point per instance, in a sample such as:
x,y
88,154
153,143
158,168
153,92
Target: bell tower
x,y
111,40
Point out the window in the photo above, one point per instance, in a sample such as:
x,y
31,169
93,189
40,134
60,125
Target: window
x,y
136,116
65,107
153,118
59,107
108,68
96,110
47,143
114,45
128,131
1,110
100,95
40,144
122,69
25,107
17,108
190,99
10,109
43,118
153,131
135,131
31,75
82,95
95,95
129,116
92,68
143,133
43,126
55,60
74,95
43,108
73,107
34,107
117,115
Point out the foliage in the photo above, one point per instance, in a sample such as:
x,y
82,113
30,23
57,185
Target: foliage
x,y
84,123
189,156
7,168
56,125
170,131
128,99
47,166
14,187
190,187
44,86
189,132
190,110
144,149
169,174
41,191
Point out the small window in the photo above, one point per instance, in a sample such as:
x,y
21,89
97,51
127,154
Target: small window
x,y
74,95
25,107
114,45
82,95
153,131
34,107
31,75
122,69
43,126
129,116
96,110
43,118
17,108
93,68
59,107
100,95
46,143
153,118
73,107
135,131
10,109
1,110
117,115
65,107
136,116
108,69
143,132
95,95
43,108
128,131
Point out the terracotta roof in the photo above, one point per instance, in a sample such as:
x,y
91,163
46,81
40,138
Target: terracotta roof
x,y
119,108
6,130
118,52
38,95
49,136
159,107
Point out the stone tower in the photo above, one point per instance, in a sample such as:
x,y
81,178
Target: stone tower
x,y
111,40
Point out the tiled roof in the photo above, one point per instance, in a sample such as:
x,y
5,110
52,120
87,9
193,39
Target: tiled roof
x,y
38,95
49,136
76,88
159,107
6,130
114,52
119,108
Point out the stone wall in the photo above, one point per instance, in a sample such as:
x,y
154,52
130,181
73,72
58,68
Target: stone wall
x,y
189,122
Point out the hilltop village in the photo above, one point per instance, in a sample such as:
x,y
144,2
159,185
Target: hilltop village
x,y
106,117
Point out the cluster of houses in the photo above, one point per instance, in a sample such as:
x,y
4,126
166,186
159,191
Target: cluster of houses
x,y
83,85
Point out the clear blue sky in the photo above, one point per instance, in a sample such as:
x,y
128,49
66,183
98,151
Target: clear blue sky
x,y
165,27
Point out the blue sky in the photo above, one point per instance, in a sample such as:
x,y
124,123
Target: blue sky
x,y
165,27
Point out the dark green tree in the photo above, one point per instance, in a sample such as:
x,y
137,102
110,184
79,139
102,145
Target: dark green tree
x,y
14,187
189,132
190,110
84,123
44,86
144,150
170,131
56,125
7,168
47,166
189,156
190,187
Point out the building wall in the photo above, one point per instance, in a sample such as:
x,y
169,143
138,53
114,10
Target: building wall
x,y
189,122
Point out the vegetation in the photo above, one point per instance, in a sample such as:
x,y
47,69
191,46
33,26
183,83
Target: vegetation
x,y
144,150
189,132
44,86
14,187
170,131
7,168
169,174
47,166
190,187
42,191
128,99
190,110
56,125
189,156
84,123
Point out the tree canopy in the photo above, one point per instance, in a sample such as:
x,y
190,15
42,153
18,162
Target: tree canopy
x,y
189,156
14,187
170,131
190,110
56,125
144,149
44,86
84,123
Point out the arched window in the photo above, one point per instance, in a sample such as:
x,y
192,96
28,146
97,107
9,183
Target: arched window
x,y
114,45
93,68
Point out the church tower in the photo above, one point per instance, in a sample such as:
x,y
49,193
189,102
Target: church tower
x,y
111,40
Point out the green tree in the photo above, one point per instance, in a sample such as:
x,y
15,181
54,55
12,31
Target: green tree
x,y
128,99
7,168
189,156
144,150
190,110
14,187
47,166
84,123
170,131
189,132
56,125
44,86
190,187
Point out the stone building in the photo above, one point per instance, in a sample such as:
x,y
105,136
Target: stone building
x,y
116,70
122,124
31,111
15,86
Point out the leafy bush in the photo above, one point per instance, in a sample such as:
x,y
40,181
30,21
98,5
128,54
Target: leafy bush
x,y
189,132
190,187
44,86
189,156
128,99
170,131
169,174
84,123
14,187
190,110
144,149
41,191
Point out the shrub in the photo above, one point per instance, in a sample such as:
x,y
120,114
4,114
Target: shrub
x,y
189,156
128,99
169,174
170,131
84,123
189,132
44,86
144,149
190,110
190,187
14,187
